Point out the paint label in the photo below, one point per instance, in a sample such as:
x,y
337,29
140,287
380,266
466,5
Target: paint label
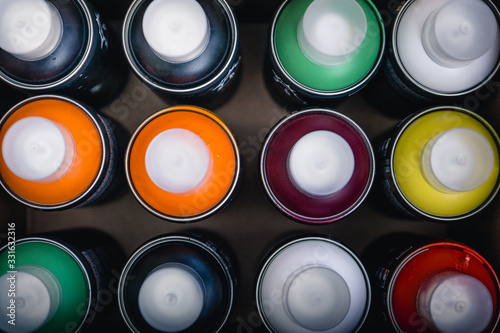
x,y
286,87
228,77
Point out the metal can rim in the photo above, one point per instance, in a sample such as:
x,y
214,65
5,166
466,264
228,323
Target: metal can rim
x,y
70,75
405,123
401,67
358,129
227,66
104,146
347,91
166,239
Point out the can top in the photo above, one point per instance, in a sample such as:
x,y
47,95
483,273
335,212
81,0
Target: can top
x,y
38,296
38,149
178,161
459,32
455,302
302,47
177,30
458,160
316,298
447,47
321,163
171,298
331,31
411,166
445,285
79,169
317,165
315,284
207,155
29,29
59,281
181,47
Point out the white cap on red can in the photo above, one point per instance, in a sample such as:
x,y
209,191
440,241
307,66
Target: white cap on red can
x,y
453,302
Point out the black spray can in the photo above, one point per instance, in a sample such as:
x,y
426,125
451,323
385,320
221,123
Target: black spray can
x,y
58,46
183,49
177,283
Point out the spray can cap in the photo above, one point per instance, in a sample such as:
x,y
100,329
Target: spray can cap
x,y
37,298
29,29
178,161
459,32
331,31
177,30
320,163
457,160
454,302
38,149
171,298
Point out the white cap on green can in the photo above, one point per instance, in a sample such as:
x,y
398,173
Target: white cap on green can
x,y
331,31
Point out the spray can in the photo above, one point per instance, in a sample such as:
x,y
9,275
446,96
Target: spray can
x,y
325,50
183,164
440,164
439,52
58,282
432,286
317,165
183,49
59,46
177,283
56,153
313,284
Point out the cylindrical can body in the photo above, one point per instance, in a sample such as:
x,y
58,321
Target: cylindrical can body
x,y
307,179
402,266
183,164
304,80
410,78
207,75
82,267
403,178
84,65
82,178
194,258
312,284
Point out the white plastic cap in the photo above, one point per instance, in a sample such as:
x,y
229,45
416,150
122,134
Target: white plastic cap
x,y
29,29
177,30
455,303
331,30
171,298
459,32
460,159
316,298
178,161
37,298
320,163
38,149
